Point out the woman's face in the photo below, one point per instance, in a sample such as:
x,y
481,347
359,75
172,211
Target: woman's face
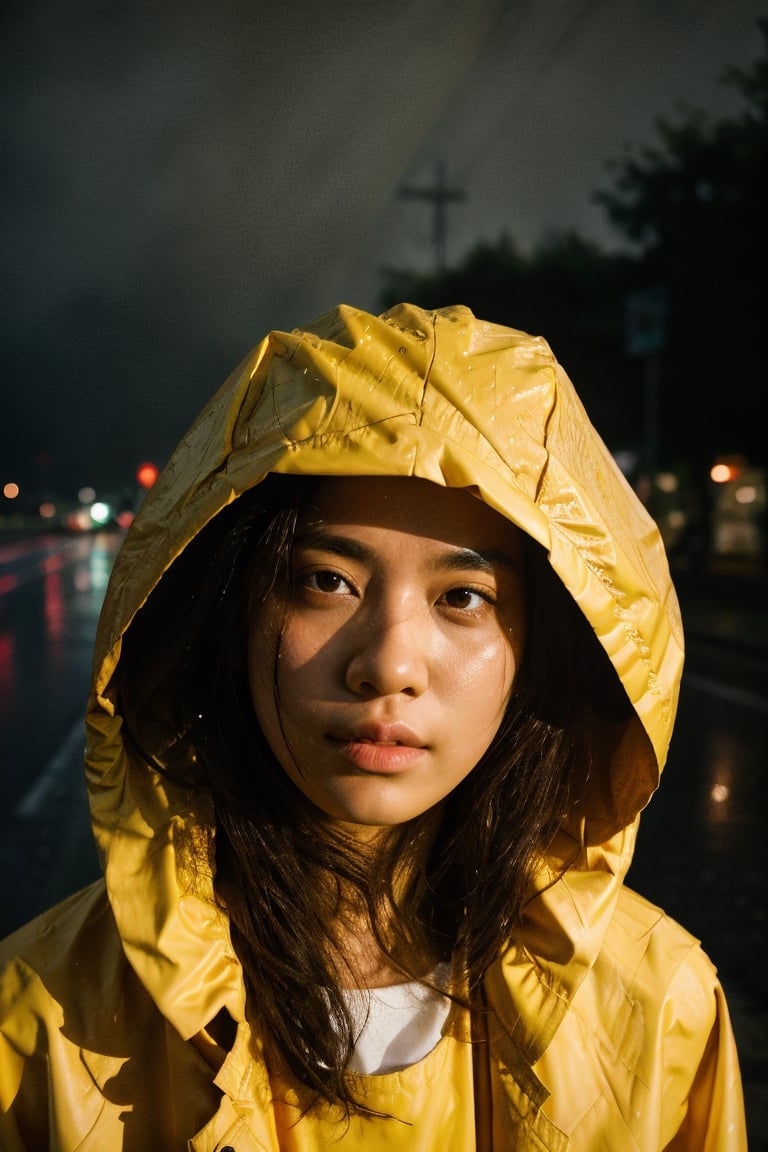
x,y
396,645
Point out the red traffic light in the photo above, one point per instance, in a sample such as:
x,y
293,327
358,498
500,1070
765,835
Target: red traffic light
x,y
146,474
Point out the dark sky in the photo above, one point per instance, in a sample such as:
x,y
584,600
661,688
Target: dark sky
x,y
177,178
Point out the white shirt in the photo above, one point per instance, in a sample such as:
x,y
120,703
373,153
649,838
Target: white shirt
x,y
396,1026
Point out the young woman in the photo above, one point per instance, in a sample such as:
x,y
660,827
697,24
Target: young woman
x,y
386,672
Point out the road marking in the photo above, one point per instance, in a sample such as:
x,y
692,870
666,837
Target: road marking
x,y
726,692
34,798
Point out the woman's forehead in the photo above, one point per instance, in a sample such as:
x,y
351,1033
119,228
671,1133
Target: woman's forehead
x,y
409,505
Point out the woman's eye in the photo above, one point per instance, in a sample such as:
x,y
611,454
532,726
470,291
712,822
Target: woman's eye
x,y
467,599
326,581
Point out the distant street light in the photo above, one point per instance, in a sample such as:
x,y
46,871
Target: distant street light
x,y
146,474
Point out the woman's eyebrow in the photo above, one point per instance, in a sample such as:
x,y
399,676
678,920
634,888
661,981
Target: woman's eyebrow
x,y
467,559
449,560
345,546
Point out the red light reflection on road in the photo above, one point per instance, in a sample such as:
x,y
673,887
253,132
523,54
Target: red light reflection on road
x,y
7,583
54,605
7,674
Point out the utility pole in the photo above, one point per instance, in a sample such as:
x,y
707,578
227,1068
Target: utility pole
x,y
439,196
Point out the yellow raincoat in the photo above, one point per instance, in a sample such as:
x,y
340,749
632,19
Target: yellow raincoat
x,y
609,1031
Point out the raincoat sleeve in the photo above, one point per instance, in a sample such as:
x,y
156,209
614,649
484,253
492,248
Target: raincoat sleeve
x,y
714,1120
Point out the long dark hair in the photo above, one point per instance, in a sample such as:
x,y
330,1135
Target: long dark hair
x,y
280,866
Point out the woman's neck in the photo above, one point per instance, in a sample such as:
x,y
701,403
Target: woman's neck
x,y
368,957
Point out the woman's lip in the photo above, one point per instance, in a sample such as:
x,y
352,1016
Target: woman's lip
x,y
383,734
379,757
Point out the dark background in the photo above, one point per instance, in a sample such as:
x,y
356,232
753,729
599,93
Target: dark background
x,y
179,178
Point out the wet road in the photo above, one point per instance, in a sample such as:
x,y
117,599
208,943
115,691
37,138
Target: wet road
x,y
51,589
700,850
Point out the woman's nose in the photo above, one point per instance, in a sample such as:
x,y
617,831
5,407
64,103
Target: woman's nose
x,y
389,657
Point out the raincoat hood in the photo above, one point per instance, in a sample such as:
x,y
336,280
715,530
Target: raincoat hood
x,y
467,404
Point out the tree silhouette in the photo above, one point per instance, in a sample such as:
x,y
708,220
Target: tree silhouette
x,y
693,208
697,206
